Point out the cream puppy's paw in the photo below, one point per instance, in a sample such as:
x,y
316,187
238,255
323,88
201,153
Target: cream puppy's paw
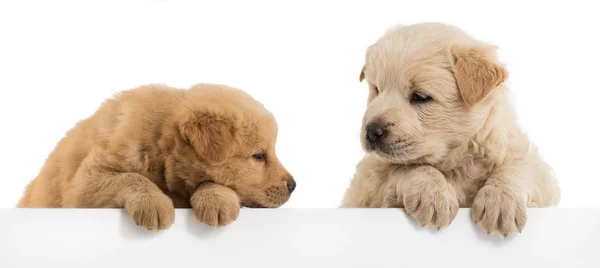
x,y
430,199
499,210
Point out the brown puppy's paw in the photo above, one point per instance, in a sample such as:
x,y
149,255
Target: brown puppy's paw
x,y
431,202
215,205
151,211
499,210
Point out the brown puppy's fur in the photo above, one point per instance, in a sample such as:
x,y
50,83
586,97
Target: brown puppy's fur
x,y
155,148
463,147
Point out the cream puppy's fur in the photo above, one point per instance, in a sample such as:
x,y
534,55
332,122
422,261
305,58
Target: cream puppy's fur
x,y
440,133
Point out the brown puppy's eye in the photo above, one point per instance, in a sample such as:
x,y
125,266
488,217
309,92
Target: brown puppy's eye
x,y
259,157
419,98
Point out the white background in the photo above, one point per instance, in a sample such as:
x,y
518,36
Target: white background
x,y
60,59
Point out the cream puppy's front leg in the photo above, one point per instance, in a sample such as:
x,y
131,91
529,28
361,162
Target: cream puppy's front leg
x,y
427,196
501,205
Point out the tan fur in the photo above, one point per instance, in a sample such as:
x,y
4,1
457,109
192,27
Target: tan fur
x,y
463,148
476,73
155,148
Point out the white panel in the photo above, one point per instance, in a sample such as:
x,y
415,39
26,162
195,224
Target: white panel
x,y
293,238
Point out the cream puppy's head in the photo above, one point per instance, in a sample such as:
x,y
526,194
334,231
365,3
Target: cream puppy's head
x,y
431,86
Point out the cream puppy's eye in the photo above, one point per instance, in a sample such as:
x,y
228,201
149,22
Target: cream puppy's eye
x,y
259,157
376,89
417,97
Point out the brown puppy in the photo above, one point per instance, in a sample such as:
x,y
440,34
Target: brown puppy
x,y
440,132
154,148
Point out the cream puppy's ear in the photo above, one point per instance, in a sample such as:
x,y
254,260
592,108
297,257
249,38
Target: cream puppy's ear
x,y
476,70
364,68
211,135
362,74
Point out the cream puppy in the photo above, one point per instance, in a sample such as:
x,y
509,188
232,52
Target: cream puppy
x,y
440,133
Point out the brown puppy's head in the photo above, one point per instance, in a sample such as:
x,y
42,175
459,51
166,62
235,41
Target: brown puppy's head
x,y
234,138
431,86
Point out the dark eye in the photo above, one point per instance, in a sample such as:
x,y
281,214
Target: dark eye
x,y
419,98
259,157
376,90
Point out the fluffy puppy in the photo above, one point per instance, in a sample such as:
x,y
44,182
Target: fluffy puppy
x,y
440,133
154,148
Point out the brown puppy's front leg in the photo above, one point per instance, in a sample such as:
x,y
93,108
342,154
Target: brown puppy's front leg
x,y
146,204
215,204
428,197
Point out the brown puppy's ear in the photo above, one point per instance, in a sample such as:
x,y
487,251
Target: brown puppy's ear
x,y
210,135
362,74
476,70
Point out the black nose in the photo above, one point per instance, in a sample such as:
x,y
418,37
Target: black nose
x,y
376,132
291,185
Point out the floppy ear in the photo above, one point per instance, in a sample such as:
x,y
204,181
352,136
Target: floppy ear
x,y
476,70
362,74
210,135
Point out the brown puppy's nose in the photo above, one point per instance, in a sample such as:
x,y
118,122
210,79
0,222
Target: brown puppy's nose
x,y
376,132
291,185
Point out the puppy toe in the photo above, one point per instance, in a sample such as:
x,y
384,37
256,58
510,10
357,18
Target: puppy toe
x,y
521,218
477,212
226,217
443,216
489,222
424,215
506,224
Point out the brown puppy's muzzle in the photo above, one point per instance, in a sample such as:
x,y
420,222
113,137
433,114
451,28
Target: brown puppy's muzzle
x,y
279,194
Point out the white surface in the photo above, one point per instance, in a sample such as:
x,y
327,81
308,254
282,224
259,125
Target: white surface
x,y
294,238
60,59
